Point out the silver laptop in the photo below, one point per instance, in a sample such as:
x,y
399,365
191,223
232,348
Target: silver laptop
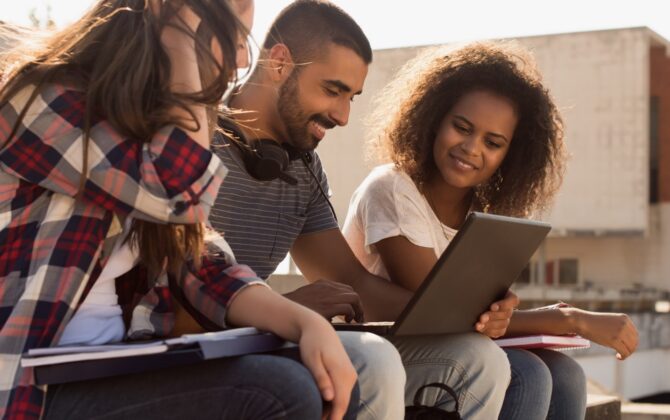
x,y
480,264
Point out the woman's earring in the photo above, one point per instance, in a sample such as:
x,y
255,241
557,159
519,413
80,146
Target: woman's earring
x,y
484,191
481,191
497,181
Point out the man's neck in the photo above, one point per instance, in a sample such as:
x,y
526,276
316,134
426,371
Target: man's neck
x,y
258,119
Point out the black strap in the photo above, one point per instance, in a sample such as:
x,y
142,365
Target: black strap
x,y
424,412
307,160
178,294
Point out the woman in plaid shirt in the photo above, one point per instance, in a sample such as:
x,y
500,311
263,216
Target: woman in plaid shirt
x,y
104,155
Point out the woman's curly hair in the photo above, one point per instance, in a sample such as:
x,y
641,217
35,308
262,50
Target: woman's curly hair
x,y
409,111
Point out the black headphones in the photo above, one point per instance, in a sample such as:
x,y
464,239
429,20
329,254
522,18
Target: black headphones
x,y
266,159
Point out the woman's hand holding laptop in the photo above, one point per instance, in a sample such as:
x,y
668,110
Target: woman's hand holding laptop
x,y
494,323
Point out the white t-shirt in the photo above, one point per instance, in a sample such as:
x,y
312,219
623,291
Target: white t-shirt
x,y
389,204
99,319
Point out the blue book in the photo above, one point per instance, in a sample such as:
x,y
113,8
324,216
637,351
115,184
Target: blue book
x,y
57,365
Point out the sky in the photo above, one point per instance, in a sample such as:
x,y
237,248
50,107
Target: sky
x,y
400,23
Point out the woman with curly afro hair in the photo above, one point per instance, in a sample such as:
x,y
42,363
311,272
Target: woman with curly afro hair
x,y
474,129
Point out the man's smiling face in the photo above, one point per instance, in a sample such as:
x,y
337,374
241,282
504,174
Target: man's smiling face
x,y
317,95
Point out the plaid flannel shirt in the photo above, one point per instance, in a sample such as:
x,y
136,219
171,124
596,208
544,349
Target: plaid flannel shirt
x,y
52,246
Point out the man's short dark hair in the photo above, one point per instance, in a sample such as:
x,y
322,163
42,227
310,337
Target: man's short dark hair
x,y
307,26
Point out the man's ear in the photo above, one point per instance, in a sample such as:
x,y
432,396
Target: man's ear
x,y
280,63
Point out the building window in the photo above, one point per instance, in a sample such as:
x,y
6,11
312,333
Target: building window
x,y
567,271
524,277
653,149
549,270
562,272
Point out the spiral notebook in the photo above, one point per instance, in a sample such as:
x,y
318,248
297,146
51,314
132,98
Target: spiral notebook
x,y
544,341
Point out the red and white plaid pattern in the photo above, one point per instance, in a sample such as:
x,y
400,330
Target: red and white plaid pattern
x,y
51,243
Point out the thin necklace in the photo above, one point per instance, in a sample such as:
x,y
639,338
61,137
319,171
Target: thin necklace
x,y
429,198
443,227
447,235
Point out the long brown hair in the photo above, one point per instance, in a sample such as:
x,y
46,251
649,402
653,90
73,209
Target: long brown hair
x,y
409,110
114,55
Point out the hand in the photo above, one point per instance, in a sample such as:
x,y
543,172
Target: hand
x,y
320,347
494,323
323,354
614,330
177,39
330,299
178,43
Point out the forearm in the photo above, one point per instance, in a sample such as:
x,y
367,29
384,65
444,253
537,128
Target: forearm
x,y
382,300
557,321
262,308
326,255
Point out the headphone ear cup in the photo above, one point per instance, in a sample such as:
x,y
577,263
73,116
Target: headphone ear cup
x,y
269,160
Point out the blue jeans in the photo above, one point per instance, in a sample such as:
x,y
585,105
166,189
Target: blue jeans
x,y
545,384
247,387
471,364
381,376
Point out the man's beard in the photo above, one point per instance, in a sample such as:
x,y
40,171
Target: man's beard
x,y
295,119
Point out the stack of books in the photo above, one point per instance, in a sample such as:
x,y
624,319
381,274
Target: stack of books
x,y
55,365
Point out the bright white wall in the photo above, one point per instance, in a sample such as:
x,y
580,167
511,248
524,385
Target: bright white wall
x,y
644,373
601,83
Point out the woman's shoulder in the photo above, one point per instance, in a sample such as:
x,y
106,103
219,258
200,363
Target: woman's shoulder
x,y
386,183
396,181
49,96
379,181
65,92
387,175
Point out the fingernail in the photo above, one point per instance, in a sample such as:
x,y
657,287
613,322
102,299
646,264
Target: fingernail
x,y
328,394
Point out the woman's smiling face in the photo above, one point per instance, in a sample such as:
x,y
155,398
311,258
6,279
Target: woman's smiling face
x,y
473,138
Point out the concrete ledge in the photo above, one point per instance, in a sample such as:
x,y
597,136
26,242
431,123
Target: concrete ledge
x,y
640,411
603,407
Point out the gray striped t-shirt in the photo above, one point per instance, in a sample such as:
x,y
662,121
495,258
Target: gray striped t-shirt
x,y
261,219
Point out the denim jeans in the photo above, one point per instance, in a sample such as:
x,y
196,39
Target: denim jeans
x,y
246,387
381,376
471,364
545,384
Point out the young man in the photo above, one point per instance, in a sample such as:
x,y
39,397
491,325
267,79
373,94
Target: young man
x,y
313,63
